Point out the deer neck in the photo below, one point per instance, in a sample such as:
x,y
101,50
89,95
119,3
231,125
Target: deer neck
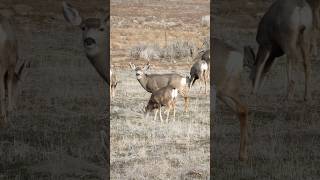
x,y
99,61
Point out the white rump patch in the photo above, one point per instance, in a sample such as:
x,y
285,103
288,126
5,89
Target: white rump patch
x,y
183,81
234,63
174,93
302,15
204,66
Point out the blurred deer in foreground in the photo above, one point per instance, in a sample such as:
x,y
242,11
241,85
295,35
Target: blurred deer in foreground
x,y
165,96
11,71
227,67
286,28
94,37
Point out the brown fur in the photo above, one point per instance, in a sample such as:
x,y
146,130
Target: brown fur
x,y
10,70
227,82
159,98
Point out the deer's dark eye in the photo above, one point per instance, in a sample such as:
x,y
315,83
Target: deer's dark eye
x,y
83,28
101,29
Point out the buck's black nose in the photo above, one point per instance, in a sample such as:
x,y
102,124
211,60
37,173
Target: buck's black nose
x,y
89,41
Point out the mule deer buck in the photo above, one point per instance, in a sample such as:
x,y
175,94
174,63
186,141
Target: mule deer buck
x,y
227,67
153,82
11,71
113,83
165,96
94,37
199,70
286,28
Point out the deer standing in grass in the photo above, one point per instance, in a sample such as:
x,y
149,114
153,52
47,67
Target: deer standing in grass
x,y
227,68
199,70
11,71
286,28
94,37
165,96
153,82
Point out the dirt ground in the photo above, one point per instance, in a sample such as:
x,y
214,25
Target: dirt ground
x,y
142,148
55,131
283,139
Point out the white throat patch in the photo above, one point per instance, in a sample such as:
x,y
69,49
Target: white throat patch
x,y
183,81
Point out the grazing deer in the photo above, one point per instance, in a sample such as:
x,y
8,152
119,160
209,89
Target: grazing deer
x,y
11,71
227,67
94,37
113,83
286,28
153,82
199,70
165,96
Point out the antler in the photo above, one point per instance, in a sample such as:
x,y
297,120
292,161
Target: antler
x,y
133,67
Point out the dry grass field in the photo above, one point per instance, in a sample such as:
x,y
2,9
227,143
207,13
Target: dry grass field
x,y
142,148
55,132
283,139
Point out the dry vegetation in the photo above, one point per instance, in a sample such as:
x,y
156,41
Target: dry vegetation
x,y
142,148
55,133
283,138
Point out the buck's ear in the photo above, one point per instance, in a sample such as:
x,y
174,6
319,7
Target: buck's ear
x,y
105,20
146,67
71,14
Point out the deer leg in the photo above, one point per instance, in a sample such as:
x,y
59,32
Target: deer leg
x,y
205,82
3,102
113,91
242,111
262,57
307,68
160,114
314,43
11,98
267,68
168,112
174,111
184,93
290,76
243,117
155,115
186,104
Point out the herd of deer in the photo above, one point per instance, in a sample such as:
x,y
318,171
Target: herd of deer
x,y
165,87
288,27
